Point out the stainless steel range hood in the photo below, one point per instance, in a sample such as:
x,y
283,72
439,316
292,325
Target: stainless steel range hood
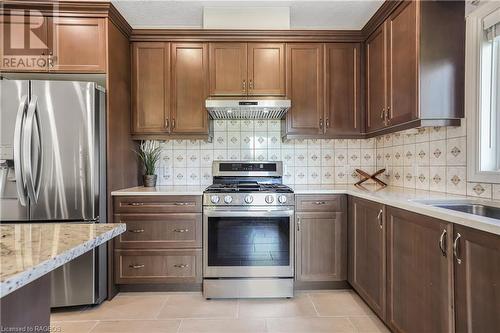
x,y
247,109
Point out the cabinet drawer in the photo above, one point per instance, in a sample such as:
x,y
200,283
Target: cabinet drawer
x,y
160,230
157,204
320,203
157,266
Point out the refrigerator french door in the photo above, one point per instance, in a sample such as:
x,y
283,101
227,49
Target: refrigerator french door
x,y
52,156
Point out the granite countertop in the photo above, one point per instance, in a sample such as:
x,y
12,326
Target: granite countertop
x,y
161,190
398,197
31,250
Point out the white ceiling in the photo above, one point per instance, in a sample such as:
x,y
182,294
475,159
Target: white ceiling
x,y
326,14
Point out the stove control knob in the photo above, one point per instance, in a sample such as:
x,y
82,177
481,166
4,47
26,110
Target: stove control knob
x,y
269,199
249,199
228,199
215,199
282,199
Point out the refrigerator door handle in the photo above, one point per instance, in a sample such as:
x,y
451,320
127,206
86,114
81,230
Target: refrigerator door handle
x,y
32,123
18,134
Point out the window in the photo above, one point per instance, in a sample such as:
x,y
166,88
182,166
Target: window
x,y
482,77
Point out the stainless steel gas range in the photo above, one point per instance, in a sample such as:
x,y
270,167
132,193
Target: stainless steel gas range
x,y
248,232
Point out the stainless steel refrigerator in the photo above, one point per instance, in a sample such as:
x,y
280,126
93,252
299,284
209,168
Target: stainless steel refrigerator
x,y
52,169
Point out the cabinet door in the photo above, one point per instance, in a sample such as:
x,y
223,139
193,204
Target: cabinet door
x,y
477,276
266,69
402,67
419,273
228,69
78,45
150,87
376,79
367,252
342,89
321,247
189,88
304,86
24,43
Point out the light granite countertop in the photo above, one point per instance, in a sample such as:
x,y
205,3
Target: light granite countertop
x,y
161,190
31,250
399,197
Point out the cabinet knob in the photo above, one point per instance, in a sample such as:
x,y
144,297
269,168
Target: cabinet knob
x,y
382,114
173,123
166,123
250,83
320,122
244,85
327,123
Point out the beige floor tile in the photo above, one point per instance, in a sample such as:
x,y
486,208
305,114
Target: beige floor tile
x,y
73,326
222,326
339,303
310,325
137,326
368,324
121,307
195,306
299,306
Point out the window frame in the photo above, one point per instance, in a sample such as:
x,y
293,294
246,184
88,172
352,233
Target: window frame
x,y
473,69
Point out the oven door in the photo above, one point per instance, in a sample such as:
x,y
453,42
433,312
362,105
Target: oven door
x,y
248,242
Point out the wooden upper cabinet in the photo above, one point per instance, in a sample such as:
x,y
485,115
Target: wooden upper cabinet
x,y
367,252
419,273
477,276
342,89
150,87
228,69
376,70
304,86
266,69
240,69
189,88
402,74
77,45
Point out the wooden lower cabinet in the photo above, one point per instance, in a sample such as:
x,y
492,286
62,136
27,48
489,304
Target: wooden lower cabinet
x,y
367,252
158,266
321,244
320,240
163,241
477,281
181,230
419,273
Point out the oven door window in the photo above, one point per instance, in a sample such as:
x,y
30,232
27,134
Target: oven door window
x,y
248,241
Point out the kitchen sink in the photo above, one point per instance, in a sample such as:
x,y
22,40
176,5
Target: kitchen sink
x,y
465,206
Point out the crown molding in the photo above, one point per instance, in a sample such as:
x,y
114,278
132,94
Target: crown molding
x,y
208,35
380,16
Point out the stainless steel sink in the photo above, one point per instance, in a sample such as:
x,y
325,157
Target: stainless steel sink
x,y
476,209
466,206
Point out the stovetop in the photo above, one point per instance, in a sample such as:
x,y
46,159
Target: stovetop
x,y
248,187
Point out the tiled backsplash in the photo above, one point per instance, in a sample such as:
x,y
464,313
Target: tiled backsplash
x,y
186,162
430,158
433,158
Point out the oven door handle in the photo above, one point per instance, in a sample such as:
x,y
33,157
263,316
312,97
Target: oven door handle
x,y
248,213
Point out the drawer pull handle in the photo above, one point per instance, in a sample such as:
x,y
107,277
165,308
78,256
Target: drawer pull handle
x,y
182,203
136,231
320,202
181,265
136,204
181,230
136,266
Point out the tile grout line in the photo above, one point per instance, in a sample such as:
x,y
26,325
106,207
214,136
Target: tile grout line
x,y
352,324
164,303
93,327
314,305
180,324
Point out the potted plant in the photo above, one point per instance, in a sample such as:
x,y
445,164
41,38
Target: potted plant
x,y
149,152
